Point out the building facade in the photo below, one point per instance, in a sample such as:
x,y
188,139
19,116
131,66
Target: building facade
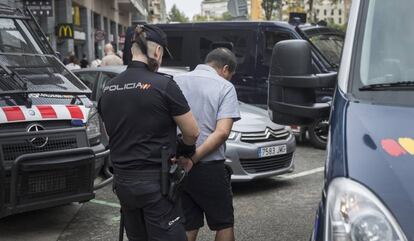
x,y
213,9
331,13
83,27
157,11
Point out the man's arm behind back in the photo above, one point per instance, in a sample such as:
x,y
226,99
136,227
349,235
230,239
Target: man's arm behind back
x,y
188,127
215,139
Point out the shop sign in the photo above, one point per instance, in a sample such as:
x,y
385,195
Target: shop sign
x,y
80,35
40,7
65,31
99,35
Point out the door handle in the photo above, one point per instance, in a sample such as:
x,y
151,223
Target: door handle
x,y
247,78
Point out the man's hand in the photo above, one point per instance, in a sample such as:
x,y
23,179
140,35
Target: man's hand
x,y
185,163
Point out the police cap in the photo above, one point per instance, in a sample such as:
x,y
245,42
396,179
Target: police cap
x,y
153,33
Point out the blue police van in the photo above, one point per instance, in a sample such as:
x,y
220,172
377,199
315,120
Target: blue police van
x,y
368,191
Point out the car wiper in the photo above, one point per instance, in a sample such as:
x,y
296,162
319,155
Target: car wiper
x,y
402,85
19,82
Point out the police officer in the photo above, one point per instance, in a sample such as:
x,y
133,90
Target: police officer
x,y
141,110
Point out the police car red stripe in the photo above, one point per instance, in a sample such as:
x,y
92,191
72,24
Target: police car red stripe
x,y
75,111
13,113
47,111
43,112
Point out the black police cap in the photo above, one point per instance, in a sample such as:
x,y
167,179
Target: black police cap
x,y
154,34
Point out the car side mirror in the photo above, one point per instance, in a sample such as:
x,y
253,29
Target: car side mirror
x,y
292,84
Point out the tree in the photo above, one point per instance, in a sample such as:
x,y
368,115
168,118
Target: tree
x,y
227,16
199,18
269,6
175,15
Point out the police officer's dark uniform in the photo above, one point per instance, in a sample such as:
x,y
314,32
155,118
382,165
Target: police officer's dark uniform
x,y
137,108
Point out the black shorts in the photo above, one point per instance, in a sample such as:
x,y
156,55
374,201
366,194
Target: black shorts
x,y
148,216
207,191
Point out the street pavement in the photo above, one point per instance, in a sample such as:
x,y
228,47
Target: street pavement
x,y
275,209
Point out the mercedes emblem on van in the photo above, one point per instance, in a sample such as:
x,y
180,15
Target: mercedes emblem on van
x,y
40,141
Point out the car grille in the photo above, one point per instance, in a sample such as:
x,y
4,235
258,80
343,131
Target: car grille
x,y
51,183
265,136
40,179
266,164
22,126
13,150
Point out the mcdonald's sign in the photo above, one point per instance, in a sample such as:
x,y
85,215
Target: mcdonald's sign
x,y
65,31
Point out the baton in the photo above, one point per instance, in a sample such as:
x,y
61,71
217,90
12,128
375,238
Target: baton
x,y
165,157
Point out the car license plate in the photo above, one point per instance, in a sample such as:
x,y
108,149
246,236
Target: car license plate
x,y
272,151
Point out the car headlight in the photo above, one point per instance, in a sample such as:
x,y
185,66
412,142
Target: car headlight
x,y
93,127
233,135
355,214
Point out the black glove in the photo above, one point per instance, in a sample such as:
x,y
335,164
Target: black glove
x,y
184,149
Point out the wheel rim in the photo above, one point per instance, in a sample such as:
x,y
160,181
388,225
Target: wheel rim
x,y
321,130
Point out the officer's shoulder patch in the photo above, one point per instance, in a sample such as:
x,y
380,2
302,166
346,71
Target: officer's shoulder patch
x,y
165,75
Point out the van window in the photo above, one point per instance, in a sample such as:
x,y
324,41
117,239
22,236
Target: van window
x,y
16,38
384,66
89,79
105,77
272,38
175,45
237,39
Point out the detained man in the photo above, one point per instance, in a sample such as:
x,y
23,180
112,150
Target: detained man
x,y
213,101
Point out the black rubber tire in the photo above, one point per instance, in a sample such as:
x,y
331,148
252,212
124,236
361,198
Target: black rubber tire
x,y
314,138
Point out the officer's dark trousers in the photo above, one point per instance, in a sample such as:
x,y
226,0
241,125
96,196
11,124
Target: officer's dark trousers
x,y
148,216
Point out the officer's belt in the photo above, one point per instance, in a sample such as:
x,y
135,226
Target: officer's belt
x,y
144,175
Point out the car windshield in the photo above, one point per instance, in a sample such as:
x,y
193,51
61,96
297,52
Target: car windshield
x,y
387,51
41,73
23,65
330,46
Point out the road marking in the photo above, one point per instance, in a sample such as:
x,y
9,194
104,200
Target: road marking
x,y
105,203
301,174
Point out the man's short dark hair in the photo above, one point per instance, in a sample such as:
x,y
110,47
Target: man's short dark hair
x,y
221,57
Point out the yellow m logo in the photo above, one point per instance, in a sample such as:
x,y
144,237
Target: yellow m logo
x,y
65,31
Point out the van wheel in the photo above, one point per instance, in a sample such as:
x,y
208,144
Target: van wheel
x,y
318,133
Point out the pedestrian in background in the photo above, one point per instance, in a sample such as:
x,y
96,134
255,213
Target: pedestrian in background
x,y
84,62
213,101
96,62
110,57
73,63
